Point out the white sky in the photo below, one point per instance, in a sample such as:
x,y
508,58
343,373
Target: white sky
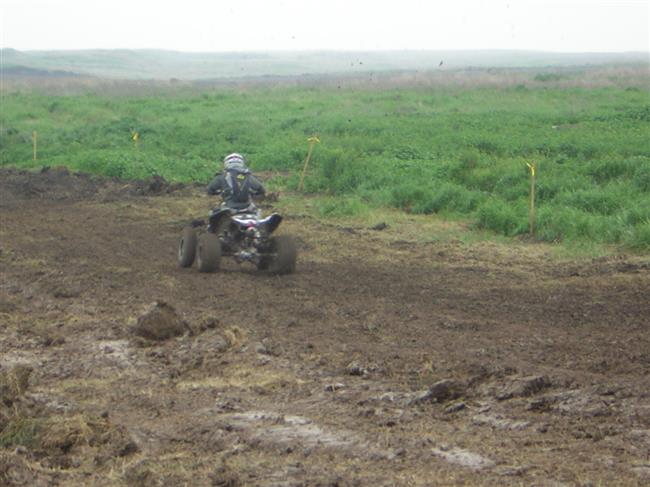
x,y
239,25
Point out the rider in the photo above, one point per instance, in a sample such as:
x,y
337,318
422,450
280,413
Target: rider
x,y
236,184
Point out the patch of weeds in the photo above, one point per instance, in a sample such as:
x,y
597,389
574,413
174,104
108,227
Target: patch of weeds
x,y
639,237
343,206
21,431
501,217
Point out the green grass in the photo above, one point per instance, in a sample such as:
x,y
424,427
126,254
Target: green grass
x,y
20,432
460,153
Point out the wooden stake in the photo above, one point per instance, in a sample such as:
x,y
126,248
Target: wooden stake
x,y
34,144
313,140
533,217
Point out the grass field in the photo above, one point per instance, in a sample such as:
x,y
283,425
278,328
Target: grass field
x,y
458,152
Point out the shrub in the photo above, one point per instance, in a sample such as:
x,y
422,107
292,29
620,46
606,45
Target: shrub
x,y
488,147
606,170
501,217
406,153
447,196
406,196
641,174
639,236
558,223
554,224
635,214
513,186
593,200
469,158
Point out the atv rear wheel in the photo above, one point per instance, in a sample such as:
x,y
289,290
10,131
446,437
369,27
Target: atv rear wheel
x,y
283,256
187,247
208,253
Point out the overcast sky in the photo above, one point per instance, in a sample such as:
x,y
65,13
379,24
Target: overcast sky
x,y
236,25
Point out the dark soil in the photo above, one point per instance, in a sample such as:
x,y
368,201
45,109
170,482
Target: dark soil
x,y
380,361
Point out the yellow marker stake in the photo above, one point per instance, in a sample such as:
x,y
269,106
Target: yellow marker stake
x,y
532,168
135,136
34,143
313,140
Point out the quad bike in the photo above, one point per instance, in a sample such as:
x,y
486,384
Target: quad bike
x,y
243,235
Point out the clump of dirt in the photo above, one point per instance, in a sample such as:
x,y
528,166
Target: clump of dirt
x,y
524,387
160,322
442,391
235,336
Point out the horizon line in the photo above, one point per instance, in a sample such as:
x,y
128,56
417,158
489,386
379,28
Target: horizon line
x,y
325,50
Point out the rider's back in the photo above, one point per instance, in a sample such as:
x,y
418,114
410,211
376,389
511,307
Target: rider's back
x,y
236,184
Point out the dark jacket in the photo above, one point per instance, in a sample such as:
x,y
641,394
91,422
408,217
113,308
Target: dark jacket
x,y
236,187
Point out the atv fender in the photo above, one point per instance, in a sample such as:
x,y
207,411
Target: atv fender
x,y
271,222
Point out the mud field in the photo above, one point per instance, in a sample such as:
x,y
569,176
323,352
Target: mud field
x,y
381,361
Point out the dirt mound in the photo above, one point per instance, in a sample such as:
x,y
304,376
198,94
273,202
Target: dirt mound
x,y
50,184
160,322
156,185
59,184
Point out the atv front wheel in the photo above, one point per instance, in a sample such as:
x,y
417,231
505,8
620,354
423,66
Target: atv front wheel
x,y
187,247
283,256
208,253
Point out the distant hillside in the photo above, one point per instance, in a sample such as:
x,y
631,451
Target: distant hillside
x,y
163,65
24,71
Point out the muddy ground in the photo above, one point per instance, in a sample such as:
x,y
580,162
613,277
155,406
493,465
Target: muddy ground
x,y
381,361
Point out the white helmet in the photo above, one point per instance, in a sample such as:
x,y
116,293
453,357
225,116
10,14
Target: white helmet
x,y
234,161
